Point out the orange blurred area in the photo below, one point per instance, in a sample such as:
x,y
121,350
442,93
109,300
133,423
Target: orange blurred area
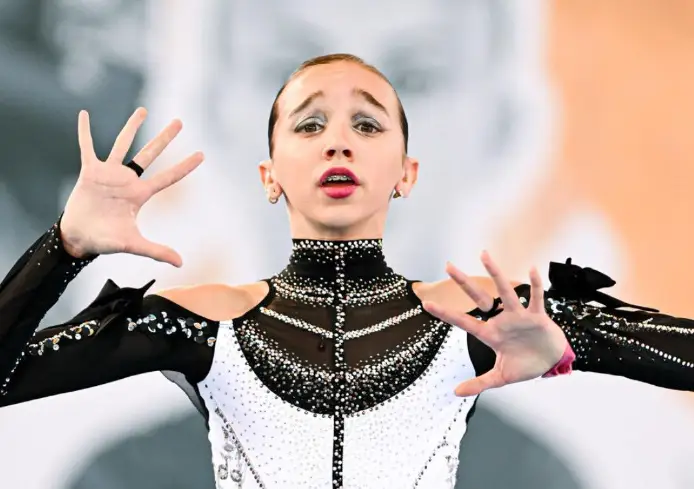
x,y
624,75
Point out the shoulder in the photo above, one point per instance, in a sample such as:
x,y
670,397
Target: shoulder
x,y
449,294
217,302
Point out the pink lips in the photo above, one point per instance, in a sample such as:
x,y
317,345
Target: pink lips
x,y
339,190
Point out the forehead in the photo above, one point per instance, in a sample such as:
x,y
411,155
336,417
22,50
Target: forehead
x,y
337,81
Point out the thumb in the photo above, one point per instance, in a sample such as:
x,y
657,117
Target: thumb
x,y
476,386
143,247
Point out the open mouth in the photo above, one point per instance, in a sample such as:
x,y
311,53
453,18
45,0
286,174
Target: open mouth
x,y
339,183
338,180
338,177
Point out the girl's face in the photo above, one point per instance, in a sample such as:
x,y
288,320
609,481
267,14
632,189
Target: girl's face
x,y
340,118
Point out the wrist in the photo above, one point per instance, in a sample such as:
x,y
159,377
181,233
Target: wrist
x,y
565,364
71,248
73,251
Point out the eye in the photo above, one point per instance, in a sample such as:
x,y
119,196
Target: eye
x,y
310,126
367,127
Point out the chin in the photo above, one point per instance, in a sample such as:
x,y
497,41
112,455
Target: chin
x,y
338,219
343,221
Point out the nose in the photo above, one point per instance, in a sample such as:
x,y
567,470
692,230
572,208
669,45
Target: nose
x,y
337,151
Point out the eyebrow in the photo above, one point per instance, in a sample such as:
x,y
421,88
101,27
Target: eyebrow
x,y
370,99
308,101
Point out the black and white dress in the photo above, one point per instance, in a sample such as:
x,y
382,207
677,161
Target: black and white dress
x,y
337,379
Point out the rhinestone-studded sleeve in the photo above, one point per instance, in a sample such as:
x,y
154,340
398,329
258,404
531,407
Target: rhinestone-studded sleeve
x,y
653,348
121,334
618,338
30,289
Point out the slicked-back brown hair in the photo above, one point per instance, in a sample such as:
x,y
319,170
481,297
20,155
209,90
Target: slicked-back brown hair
x,y
326,60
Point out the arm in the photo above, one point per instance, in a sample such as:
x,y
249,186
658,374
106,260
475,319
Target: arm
x,y
120,334
101,344
613,338
527,332
618,338
33,285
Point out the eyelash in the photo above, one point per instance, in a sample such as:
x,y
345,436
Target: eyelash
x,y
374,128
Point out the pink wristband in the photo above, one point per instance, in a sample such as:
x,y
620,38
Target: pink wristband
x,y
564,365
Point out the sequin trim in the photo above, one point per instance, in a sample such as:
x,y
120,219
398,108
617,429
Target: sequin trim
x,y
620,323
361,293
368,384
75,333
350,335
352,290
199,331
151,323
68,268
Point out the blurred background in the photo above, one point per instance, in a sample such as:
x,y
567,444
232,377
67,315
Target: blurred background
x,y
546,129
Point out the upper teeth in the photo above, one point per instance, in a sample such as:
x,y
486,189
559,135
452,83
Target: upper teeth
x,y
338,178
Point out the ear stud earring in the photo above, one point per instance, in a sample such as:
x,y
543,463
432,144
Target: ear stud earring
x,y
272,196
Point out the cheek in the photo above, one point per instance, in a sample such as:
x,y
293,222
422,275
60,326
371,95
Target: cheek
x,y
382,181
294,175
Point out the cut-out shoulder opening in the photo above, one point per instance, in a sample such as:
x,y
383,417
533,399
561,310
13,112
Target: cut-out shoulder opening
x,y
449,294
446,293
218,302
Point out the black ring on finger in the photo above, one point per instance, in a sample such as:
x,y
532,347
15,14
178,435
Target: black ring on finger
x,y
135,167
495,306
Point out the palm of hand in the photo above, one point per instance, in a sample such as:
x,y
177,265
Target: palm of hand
x,y
115,196
101,214
526,341
520,340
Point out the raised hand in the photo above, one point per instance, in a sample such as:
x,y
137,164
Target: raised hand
x,y
101,213
526,341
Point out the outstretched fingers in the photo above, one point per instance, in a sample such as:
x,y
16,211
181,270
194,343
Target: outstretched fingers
x,y
126,137
462,320
158,144
537,293
166,178
503,285
480,297
84,136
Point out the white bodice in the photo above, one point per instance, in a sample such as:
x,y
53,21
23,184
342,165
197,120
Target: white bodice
x,y
260,440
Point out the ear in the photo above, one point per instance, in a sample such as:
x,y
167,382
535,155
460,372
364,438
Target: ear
x,y
266,174
409,176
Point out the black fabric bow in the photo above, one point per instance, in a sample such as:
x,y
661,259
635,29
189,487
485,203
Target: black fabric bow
x,y
583,283
111,303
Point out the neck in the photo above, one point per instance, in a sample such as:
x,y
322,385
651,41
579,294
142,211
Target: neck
x,y
303,228
321,270
328,258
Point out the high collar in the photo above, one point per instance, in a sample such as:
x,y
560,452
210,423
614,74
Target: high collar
x,y
353,259
331,272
